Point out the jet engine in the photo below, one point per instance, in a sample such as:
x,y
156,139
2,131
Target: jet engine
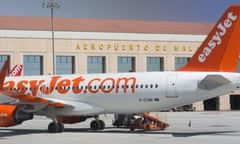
x,y
11,115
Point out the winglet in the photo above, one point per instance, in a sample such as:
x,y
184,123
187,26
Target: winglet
x,y
3,73
220,50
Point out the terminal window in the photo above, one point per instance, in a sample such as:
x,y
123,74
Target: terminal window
x,y
181,61
3,58
32,65
65,64
126,64
154,64
96,64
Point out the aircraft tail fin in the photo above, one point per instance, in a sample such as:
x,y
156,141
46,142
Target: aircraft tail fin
x,y
220,50
3,73
16,70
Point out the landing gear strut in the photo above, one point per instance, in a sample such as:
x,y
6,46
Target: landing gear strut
x,y
55,127
97,125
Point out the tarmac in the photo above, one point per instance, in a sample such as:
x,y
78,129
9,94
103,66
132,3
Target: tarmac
x,y
185,127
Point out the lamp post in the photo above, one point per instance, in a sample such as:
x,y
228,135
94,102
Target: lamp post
x,y
52,5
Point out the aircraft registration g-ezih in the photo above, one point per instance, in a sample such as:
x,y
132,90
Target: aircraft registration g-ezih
x,y
211,72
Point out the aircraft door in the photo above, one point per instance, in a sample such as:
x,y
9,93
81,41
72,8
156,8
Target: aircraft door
x,y
171,86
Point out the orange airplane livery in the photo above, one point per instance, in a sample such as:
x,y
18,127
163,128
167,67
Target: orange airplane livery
x,y
73,98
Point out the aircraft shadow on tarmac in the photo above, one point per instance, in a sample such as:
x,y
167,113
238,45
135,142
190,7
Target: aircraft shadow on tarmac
x,y
16,132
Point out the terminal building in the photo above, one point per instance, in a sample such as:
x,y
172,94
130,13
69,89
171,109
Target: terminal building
x,y
104,46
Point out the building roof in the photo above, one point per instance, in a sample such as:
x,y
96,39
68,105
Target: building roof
x,y
104,25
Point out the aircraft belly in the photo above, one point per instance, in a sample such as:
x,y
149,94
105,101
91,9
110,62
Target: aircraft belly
x,y
79,108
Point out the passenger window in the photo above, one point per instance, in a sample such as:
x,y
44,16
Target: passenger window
x,y
151,85
146,86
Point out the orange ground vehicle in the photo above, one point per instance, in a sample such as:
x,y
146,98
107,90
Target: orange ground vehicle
x,y
147,122
140,121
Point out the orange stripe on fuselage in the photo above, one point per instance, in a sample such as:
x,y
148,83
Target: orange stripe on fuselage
x,y
75,85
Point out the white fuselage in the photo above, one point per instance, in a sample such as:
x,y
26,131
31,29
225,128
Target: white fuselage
x,y
123,92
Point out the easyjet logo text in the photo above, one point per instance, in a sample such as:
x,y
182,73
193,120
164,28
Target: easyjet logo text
x,y
216,40
76,85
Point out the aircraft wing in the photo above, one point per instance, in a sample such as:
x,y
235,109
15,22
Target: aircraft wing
x,y
63,107
212,81
13,97
6,100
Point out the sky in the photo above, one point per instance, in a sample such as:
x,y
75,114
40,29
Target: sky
x,y
160,10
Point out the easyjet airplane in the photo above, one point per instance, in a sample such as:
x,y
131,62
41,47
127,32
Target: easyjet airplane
x,y
74,98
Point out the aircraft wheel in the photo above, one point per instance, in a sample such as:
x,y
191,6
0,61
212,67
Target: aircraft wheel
x,y
61,127
95,125
102,124
55,127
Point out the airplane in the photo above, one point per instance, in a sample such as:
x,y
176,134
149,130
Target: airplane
x,y
211,72
16,70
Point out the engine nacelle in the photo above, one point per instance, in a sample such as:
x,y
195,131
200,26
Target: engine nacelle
x,y
70,119
10,115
